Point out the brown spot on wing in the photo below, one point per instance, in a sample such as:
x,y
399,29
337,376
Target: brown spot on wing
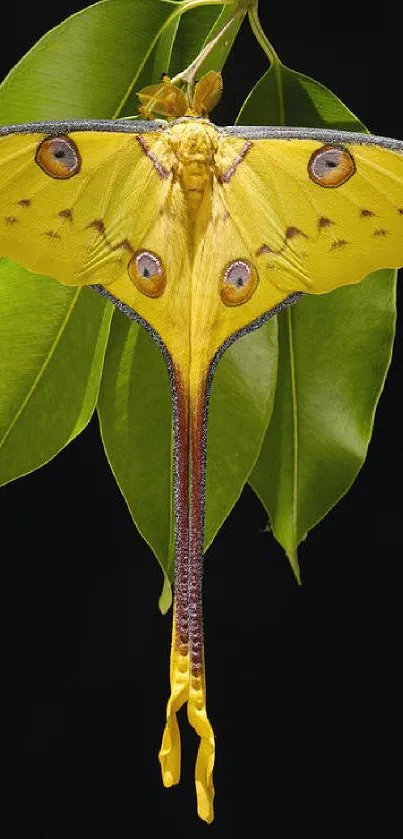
x,y
67,214
338,243
51,234
124,244
400,211
98,225
366,213
263,249
11,220
324,222
268,249
380,232
292,232
224,177
164,173
24,202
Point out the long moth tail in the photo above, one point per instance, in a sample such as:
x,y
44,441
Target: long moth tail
x,y
187,671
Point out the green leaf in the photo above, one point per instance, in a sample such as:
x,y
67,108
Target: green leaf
x,y
110,42
195,32
177,46
241,405
181,42
285,97
334,355
157,63
50,382
87,66
334,352
52,341
135,418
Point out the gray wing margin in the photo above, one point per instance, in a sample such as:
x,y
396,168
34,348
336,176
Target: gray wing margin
x,y
120,126
247,132
322,135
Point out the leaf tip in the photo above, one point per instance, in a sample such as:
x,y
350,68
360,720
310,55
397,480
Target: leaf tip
x,y
292,557
165,598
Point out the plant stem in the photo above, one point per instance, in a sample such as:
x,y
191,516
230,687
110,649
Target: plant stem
x,y
189,74
269,50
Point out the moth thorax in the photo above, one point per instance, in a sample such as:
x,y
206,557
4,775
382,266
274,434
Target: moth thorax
x,y
195,176
194,144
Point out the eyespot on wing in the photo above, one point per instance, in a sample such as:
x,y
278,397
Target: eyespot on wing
x,y
146,271
58,157
238,283
331,166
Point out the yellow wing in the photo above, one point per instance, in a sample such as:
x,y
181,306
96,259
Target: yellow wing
x,y
82,206
317,224
304,215
201,231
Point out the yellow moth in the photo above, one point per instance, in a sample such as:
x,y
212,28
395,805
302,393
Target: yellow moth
x,y
201,234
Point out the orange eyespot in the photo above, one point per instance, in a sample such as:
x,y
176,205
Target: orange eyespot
x,y
146,271
238,282
58,157
331,166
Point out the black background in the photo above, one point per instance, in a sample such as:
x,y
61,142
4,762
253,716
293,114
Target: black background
x,y
304,684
